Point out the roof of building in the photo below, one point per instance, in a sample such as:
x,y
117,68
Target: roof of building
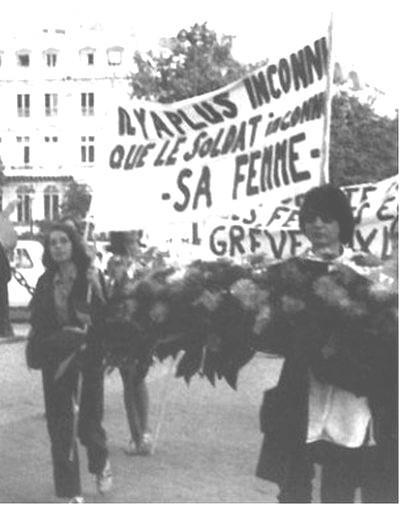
x,y
38,178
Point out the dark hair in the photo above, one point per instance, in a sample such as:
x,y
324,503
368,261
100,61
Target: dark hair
x,y
120,241
74,223
79,254
328,201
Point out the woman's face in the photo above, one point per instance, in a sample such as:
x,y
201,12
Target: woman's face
x,y
60,246
322,231
132,246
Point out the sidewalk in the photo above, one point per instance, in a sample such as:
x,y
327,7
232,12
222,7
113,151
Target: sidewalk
x,y
21,331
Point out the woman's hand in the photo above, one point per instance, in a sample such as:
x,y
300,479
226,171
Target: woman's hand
x,y
93,278
68,339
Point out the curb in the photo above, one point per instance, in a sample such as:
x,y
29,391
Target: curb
x,y
13,340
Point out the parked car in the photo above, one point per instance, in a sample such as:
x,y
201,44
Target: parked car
x,y
26,258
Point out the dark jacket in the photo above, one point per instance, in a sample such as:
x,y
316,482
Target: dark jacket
x,y
5,271
49,343
363,369
5,276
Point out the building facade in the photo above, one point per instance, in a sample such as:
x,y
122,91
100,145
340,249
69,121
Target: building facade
x,y
56,87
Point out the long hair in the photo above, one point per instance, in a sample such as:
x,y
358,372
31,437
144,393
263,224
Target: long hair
x,y
79,254
328,201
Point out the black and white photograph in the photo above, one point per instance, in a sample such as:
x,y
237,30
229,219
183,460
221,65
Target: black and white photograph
x,y
199,251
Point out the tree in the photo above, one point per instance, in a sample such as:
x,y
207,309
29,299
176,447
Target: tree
x,y
363,145
2,176
194,62
76,200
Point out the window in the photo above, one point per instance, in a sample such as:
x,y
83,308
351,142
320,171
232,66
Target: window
x,y
24,208
87,104
51,57
50,104
51,152
23,58
87,149
26,150
87,56
51,203
24,205
114,55
23,105
21,258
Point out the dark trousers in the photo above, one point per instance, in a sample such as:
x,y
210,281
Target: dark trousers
x,y
5,325
58,397
343,471
347,469
297,484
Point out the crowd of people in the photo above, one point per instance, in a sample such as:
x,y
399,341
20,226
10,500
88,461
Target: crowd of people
x,y
309,417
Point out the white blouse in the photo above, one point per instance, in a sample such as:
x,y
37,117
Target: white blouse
x,y
334,414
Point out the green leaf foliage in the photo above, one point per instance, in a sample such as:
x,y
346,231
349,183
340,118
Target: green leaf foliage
x,y
76,200
194,62
363,145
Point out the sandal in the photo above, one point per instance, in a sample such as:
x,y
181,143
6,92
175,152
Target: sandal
x,y
146,444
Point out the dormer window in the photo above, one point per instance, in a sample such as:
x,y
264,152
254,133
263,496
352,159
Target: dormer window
x,y
87,56
50,57
23,58
114,55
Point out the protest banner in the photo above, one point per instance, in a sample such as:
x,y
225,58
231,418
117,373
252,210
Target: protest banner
x,y
273,231
260,139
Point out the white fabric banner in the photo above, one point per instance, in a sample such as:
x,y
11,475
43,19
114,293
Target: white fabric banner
x,y
273,230
260,139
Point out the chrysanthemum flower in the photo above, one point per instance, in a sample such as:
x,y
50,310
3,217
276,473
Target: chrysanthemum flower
x,y
381,291
291,304
210,300
249,294
262,320
158,312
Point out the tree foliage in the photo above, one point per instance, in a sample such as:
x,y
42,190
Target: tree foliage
x,y
2,176
194,62
76,200
363,145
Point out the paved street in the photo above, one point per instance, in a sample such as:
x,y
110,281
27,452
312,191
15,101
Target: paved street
x,y
207,449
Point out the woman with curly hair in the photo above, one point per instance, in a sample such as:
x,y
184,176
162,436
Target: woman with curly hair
x,y
66,319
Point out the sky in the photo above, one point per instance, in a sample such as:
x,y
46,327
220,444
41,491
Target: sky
x,y
364,31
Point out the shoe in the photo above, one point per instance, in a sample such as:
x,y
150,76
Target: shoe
x,y
146,445
104,479
131,449
77,499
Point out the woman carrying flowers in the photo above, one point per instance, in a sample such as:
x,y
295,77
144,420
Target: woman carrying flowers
x,y
66,324
334,400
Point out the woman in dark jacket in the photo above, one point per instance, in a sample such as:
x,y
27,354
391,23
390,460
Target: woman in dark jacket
x,y
66,319
331,405
124,269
